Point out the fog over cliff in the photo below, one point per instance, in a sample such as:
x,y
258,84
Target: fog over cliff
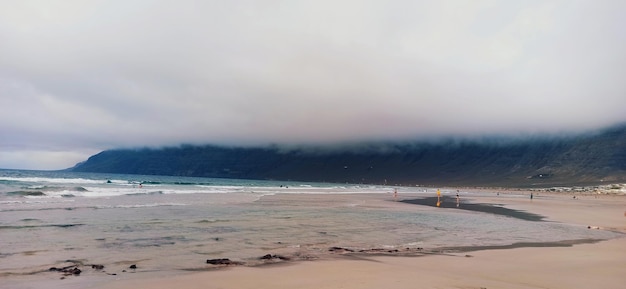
x,y
79,77
563,161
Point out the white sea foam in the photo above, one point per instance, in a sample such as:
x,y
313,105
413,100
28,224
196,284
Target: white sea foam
x,y
11,202
141,206
52,180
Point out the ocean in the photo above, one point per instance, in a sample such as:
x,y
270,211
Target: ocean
x,y
172,225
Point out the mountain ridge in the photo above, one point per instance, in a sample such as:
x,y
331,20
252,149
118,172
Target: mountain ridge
x,y
574,160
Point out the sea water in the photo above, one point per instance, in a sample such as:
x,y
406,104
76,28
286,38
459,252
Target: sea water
x,y
169,224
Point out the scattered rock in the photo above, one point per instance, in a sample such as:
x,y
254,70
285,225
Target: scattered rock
x,y
133,266
378,250
97,266
222,261
75,271
69,270
272,257
340,249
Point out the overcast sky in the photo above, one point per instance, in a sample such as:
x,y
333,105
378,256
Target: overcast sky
x,y
78,77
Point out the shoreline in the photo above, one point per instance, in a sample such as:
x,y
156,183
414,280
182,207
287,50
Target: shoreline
x,y
585,263
547,207
556,268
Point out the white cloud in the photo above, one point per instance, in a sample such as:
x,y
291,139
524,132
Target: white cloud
x,y
92,75
45,159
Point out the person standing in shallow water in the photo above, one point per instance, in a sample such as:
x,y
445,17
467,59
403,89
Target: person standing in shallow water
x,y
438,198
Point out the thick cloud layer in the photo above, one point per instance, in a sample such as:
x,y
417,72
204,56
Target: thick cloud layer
x,y
77,77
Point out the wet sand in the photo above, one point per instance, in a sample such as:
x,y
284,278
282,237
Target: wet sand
x,y
568,264
450,202
583,266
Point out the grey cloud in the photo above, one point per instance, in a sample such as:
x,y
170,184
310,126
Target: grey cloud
x,y
91,75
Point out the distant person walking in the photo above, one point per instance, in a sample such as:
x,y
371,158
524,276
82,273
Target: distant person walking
x,y
458,200
395,194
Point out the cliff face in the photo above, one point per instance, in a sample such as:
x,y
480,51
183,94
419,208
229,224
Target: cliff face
x,y
586,159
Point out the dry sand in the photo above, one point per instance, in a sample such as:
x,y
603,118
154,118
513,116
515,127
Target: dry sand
x,y
597,265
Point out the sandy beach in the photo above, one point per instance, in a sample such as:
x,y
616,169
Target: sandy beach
x,y
597,264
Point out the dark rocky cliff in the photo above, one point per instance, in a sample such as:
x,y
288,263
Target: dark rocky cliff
x,y
573,160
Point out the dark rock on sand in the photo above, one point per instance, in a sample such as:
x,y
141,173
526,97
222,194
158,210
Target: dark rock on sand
x,y
340,249
133,266
222,261
379,250
272,257
69,270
